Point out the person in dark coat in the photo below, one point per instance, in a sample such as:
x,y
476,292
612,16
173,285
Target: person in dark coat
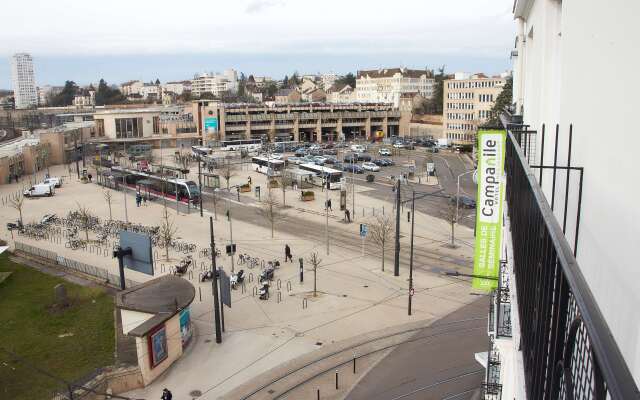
x,y
347,215
287,253
166,394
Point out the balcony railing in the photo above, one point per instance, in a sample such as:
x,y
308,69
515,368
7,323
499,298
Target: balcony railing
x,y
567,348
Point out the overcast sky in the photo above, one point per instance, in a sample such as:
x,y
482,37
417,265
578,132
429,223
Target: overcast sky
x,y
140,39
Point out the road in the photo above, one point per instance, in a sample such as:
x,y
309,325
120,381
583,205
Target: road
x,y
438,364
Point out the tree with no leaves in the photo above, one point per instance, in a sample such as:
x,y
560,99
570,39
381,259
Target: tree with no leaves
x,y
449,214
381,232
269,210
183,160
108,197
17,204
315,261
167,233
285,180
85,219
227,170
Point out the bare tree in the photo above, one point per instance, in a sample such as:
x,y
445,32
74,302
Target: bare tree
x,y
285,180
315,261
108,197
270,211
183,160
86,219
381,232
449,214
167,233
228,170
17,204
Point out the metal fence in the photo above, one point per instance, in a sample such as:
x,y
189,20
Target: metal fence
x,y
101,273
568,349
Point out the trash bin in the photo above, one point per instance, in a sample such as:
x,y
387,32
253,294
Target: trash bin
x,y
370,177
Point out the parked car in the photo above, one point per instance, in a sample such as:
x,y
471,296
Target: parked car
x,y
358,148
355,168
379,162
433,149
350,158
384,152
319,160
301,152
363,157
330,151
464,201
398,145
369,166
294,160
41,189
277,156
54,180
330,159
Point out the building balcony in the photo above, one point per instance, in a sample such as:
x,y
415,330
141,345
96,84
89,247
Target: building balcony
x,y
550,338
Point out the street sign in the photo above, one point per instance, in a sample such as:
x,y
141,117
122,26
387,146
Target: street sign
x,y
364,229
225,288
231,249
140,259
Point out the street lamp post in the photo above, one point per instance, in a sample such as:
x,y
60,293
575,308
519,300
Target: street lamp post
x,y
458,193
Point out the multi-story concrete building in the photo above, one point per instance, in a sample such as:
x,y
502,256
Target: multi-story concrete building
x,y
85,98
130,88
388,85
294,122
215,83
170,126
24,81
467,103
328,80
46,92
564,320
177,87
340,94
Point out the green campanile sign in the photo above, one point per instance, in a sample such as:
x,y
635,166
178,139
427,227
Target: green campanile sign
x,y
486,262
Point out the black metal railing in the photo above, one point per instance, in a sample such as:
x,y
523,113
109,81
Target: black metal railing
x,y
503,303
568,350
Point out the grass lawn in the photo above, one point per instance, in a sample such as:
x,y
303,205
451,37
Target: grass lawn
x,y
69,343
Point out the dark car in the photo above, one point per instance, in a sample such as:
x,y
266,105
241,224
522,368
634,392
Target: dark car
x,y
380,162
464,201
363,157
387,162
338,166
301,152
355,168
330,152
350,158
330,159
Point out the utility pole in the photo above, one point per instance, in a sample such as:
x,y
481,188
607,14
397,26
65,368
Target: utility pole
x,y
413,220
353,188
200,183
396,261
230,236
75,152
214,283
326,211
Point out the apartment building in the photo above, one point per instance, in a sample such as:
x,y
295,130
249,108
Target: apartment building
x,y
215,83
340,94
24,81
564,321
167,126
467,103
176,87
294,122
130,88
388,85
46,92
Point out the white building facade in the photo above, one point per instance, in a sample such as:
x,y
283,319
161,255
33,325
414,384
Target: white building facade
x,y
388,85
560,46
215,83
24,82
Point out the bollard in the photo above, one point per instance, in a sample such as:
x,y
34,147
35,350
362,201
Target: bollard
x,y
354,363
190,275
255,291
200,293
336,379
288,286
250,276
318,397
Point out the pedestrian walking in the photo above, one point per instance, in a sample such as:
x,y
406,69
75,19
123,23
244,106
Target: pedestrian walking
x,y
89,176
249,180
138,199
329,205
347,215
287,253
166,394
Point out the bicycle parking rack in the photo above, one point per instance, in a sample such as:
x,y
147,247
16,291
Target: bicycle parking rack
x,y
305,303
255,291
279,296
289,286
279,284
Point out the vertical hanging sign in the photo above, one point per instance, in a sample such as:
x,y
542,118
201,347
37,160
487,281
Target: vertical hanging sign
x,y
486,261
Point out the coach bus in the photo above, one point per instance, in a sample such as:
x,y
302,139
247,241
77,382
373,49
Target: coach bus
x,y
268,166
250,145
322,174
185,190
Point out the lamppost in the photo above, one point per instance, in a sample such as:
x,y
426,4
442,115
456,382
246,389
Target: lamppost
x,y
458,191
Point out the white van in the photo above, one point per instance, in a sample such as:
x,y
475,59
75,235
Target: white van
x,y
358,148
54,180
41,189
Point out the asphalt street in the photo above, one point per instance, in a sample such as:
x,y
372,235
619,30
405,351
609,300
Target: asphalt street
x,y
438,364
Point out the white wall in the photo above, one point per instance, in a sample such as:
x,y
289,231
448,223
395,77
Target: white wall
x,y
585,74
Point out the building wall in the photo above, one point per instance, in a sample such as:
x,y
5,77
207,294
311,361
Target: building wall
x,y
390,89
466,105
23,78
571,46
174,346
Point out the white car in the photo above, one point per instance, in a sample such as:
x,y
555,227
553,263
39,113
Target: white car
x,y
384,152
54,180
398,145
358,148
369,166
277,156
295,160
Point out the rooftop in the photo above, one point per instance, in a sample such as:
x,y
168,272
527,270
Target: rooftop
x,y
390,72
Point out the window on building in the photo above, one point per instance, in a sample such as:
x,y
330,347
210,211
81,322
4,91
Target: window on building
x,y
128,128
156,125
100,127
